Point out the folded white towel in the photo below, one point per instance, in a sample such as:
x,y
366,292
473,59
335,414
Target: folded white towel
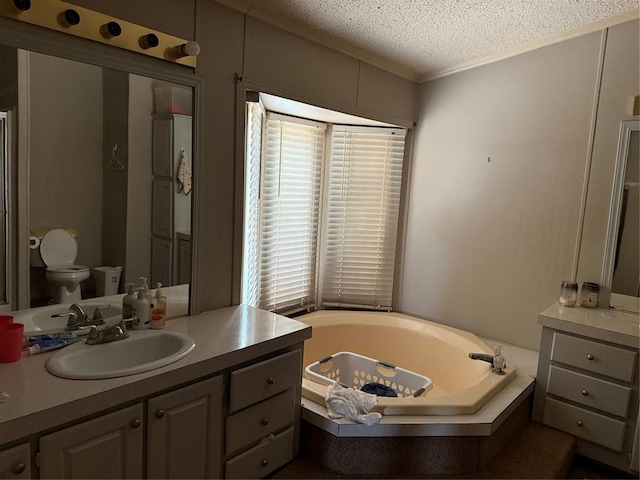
x,y
352,404
184,174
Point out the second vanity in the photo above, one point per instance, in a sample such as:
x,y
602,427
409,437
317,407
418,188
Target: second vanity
x,y
230,409
587,381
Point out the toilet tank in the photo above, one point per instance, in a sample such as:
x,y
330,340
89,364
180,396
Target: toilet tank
x,y
35,237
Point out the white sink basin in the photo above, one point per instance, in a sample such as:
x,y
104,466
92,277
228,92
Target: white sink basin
x,y
38,321
141,352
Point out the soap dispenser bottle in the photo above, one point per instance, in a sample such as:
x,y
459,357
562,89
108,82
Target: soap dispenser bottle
x,y
147,294
141,311
159,310
127,301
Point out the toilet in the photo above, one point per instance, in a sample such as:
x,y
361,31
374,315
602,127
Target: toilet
x,y
58,250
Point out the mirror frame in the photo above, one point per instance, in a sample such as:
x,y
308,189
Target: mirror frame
x,y
628,302
29,37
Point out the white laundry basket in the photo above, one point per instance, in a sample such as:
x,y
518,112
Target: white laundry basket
x,y
107,280
353,370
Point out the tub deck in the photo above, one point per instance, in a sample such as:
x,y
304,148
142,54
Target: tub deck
x,y
483,423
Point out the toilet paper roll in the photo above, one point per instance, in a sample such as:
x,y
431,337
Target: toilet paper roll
x,y
34,242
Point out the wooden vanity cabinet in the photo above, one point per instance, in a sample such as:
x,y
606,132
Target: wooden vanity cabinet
x,y
589,388
109,446
184,431
264,407
15,462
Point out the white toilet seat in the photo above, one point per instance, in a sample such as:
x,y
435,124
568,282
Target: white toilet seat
x,y
58,248
69,269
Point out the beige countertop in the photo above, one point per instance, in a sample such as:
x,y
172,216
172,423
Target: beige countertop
x,y
224,338
605,324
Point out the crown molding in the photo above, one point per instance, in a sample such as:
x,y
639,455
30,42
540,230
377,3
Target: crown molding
x,y
567,35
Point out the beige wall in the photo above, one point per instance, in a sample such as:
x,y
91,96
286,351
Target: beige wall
x,y
620,84
139,179
66,162
497,184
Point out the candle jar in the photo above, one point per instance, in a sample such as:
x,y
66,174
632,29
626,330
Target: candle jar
x,y
589,295
568,294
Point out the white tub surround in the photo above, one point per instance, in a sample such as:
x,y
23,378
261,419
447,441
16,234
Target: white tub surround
x,y
235,347
588,381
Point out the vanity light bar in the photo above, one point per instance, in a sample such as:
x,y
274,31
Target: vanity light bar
x,y
96,26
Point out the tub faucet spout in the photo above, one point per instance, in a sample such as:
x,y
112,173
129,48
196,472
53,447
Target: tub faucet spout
x,y
485,357
496,360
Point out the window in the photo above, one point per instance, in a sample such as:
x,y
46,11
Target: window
x,y
321,213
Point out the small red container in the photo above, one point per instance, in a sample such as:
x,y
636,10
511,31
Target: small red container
x,y
11,342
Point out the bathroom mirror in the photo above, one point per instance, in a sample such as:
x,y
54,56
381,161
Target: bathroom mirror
x,y
93,129
622,249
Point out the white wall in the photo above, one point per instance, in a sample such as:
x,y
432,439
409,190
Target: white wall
x,y
139,179
65,168
489,241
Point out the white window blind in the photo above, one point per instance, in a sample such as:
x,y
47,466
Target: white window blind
x,y
293,150
251,246
361,216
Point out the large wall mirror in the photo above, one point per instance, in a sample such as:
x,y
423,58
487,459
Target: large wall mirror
x,y
104,150
622,262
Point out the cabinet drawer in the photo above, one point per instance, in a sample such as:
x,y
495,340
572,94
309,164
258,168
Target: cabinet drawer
x,y
260,420
592,392
262,459
16,462
595,357
263,380
582,423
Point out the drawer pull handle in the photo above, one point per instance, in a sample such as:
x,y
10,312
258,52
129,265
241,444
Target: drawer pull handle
x,y
589,357
579,423
585,393
19,468
271,380
136,423
264,462
160,413
265,421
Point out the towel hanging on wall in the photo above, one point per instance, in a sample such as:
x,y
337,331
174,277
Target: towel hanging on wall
x,y
184,174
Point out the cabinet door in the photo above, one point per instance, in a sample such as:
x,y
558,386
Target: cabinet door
x,y
162,147
184,262
109,446
161,254
184,433
162,208
16,462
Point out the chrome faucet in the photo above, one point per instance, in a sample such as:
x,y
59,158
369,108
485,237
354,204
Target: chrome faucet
x,y
78,317
497,360
107,334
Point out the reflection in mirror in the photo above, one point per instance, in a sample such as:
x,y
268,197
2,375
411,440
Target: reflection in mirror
x,y
626,270
622,263
99,206
5,268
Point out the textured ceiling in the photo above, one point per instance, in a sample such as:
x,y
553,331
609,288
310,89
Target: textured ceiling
x,y
422,39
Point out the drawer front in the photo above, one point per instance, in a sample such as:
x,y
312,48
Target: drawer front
x,y
262,459
265,379
595,357
16,462
592,392
260,420
582,423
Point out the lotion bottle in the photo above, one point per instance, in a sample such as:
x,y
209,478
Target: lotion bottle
x,y
127,301
141,311
147,294
159,310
